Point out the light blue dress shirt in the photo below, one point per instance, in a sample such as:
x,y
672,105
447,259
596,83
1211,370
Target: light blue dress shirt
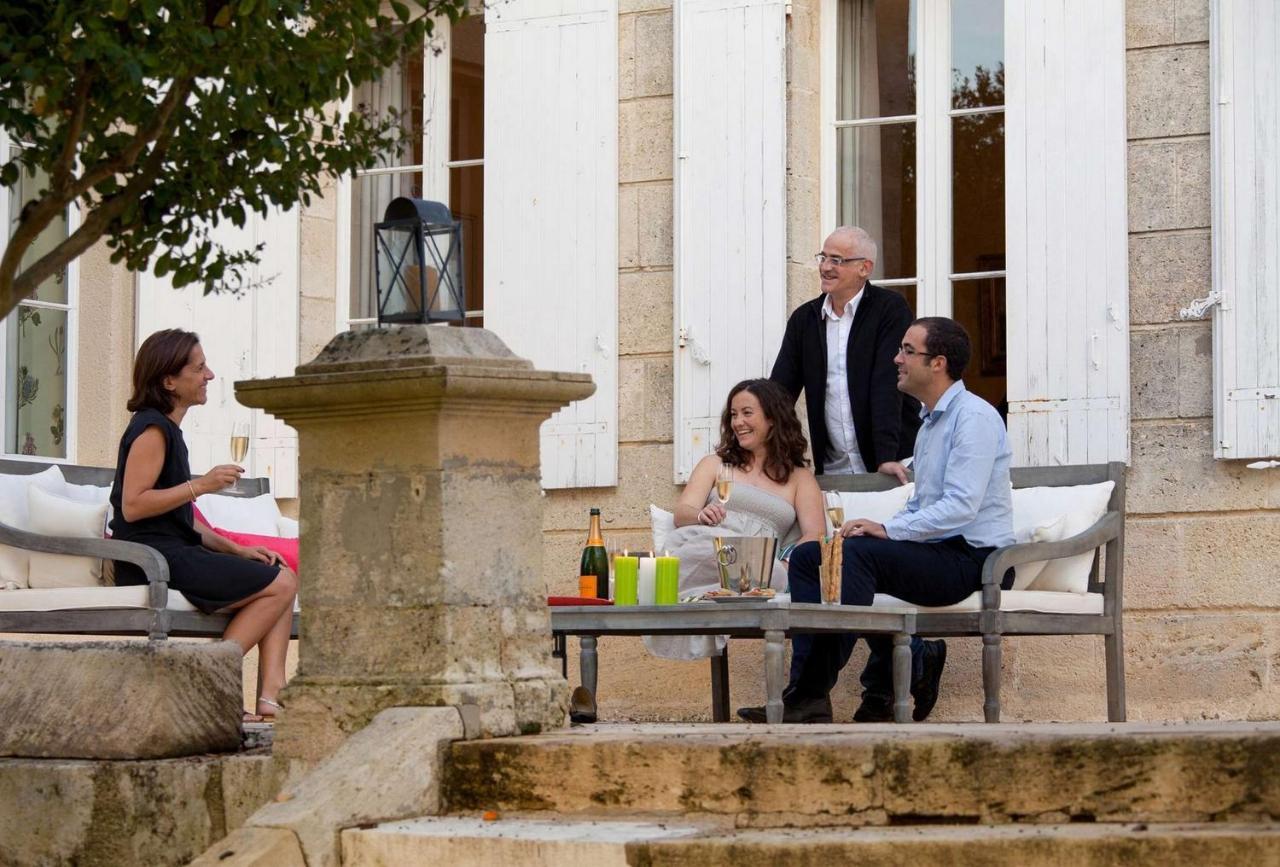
x,y
962,475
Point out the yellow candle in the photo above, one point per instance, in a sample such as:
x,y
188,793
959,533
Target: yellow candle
x,y
667,581
625,579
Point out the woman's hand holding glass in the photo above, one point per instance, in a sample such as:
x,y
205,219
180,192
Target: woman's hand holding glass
x,y
219,478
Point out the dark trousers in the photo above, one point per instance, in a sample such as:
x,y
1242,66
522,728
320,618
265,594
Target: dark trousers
x,y
920,573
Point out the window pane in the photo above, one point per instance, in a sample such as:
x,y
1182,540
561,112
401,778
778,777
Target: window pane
x,y
466,98
907,291
466,201
53,289
877,59
36,417
977,192
979,305
877,191
977,53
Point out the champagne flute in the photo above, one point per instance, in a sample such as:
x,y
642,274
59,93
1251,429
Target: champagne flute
x,y
724,483
239,441
835,510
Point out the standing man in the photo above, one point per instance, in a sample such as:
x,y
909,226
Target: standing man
x,y
839,349
931,553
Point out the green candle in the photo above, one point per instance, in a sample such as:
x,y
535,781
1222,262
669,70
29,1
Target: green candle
x,y
667,581
625,577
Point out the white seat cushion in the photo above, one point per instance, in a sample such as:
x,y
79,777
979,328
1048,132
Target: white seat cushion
x,y
1039,601
75,598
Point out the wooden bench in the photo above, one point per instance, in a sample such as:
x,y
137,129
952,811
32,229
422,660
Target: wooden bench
x,y
992,623
151,610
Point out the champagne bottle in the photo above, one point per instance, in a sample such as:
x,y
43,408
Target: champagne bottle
x,y
595,560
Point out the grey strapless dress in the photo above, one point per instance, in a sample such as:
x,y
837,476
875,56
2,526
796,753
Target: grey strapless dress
x,y
751,511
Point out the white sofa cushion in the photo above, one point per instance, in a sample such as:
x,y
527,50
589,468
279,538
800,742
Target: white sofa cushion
x,y
259,515
74,598
662,523
878,506
15,511
287,528
1050,514
52,515
1044,602
98,495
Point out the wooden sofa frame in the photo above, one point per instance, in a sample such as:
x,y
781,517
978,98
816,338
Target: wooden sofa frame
x,y
1105,539
156,621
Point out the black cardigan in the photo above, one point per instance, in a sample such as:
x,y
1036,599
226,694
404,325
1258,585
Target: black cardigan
x,y
885,419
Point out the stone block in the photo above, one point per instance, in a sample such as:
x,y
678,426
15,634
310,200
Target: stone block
x,y
1172,469
644,477
628,226
1166,22
804,139
804,69
804,217
629,6
655,225
389,770
166,699
645,321
254,847
803,283
1206,562
1168,92
1171,371
1169,184
1166,273
316,325
318,259
644,399
248,782
645,52
645,140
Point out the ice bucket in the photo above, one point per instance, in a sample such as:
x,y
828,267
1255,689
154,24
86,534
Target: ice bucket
x,y
745,562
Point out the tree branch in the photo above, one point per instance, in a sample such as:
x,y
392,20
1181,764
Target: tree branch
x,y
61,176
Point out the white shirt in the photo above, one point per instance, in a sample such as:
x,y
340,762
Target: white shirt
x,y
842,447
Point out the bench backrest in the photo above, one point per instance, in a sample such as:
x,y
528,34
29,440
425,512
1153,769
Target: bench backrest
x,y
102,476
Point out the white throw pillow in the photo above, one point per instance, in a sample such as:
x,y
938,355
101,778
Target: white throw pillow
x,y
259,515
97,495
878,506
1025,573
662,523
52,515
1076,507
15,511
287,528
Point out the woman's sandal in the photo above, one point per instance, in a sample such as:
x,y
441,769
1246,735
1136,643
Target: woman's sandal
x,y
269,717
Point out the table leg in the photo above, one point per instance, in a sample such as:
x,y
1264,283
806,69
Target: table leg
x,y
720,686
560,651
587,662
774,654
901,677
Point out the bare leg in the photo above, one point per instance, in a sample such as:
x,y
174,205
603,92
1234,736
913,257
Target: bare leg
x,y
272,650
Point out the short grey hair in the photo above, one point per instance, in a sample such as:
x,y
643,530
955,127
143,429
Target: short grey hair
x,y
864,244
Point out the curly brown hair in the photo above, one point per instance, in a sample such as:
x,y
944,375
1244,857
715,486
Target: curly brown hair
x,y
785,444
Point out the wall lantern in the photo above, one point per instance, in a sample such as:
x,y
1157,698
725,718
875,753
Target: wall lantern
x,y
417,263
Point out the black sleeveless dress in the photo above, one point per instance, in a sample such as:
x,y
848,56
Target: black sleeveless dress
x,y
212,581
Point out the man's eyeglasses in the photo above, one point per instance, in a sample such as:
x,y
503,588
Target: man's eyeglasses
x,y
837,260
910,351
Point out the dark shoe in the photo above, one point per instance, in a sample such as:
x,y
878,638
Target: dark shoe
x,y
873,710
582,706
925,690
812,710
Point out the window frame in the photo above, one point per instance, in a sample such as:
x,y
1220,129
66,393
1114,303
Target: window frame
x,y
71,308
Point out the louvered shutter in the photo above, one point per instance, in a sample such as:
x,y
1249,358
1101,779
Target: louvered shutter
x,y
249,336
730,208
1067,224
1246,228
551,214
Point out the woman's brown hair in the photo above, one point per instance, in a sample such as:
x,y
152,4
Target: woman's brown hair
x,y
785,444
162,354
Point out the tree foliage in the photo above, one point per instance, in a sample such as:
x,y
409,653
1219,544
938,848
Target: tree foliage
x,y
159,117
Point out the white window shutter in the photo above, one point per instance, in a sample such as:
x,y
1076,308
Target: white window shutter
x,y
1246,228
551,214
730,208
249,336
1067,225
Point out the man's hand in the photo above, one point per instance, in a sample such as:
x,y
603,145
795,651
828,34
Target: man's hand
x,y
895,469
863,527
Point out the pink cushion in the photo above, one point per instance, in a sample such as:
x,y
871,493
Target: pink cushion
x,y
286,548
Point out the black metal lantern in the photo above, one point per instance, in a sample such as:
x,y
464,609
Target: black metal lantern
x,y
417,261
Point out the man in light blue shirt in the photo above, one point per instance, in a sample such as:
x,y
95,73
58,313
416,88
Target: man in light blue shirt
x,y
930,553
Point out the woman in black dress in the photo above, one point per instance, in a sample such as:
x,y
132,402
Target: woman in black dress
x,y
152,498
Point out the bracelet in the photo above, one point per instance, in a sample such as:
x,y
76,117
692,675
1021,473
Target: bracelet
x,y
192,489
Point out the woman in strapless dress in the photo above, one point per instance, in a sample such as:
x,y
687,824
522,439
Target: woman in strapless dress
x,y
773,493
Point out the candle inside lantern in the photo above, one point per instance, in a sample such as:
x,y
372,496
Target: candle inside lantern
x,y
646,581
625,579
667,580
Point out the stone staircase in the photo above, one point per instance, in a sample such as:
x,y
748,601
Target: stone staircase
x,y
1045,794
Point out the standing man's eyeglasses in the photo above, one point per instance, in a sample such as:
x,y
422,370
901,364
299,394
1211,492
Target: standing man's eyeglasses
x,y
837,260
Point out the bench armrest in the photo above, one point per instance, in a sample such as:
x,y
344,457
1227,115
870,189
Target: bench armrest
x,y
1105,530
146,558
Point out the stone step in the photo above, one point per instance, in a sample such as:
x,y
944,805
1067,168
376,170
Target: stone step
x,y
764,776
557,842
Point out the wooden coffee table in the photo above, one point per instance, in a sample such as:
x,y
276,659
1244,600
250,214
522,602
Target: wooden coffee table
x,y
772,621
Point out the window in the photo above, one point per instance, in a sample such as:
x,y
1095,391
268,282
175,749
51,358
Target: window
x,y
37,340
917,154
439,92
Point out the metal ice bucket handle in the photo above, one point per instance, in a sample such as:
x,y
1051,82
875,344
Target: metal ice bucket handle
x,y
753,555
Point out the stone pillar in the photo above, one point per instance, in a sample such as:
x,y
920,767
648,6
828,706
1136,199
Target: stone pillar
x,y
421,548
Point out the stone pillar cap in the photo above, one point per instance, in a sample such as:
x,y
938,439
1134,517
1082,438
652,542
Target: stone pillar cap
x,y
412,346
